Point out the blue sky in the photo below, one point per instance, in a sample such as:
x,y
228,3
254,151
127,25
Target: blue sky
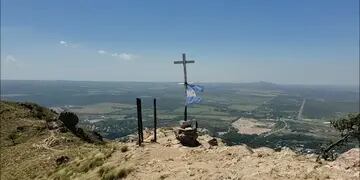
x,y
280,41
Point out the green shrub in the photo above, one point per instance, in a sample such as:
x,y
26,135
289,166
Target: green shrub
x,y
69,119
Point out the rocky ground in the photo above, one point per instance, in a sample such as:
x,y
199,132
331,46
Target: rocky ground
x,y
168,159
50,154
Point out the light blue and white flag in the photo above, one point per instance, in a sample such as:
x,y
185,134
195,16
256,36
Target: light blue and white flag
x,y
196,88
191,91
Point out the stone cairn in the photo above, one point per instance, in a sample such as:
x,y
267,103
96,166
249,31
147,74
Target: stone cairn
x,y
187,134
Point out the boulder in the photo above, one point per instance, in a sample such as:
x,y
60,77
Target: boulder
x,y
188,124
185,124
213,142
52,125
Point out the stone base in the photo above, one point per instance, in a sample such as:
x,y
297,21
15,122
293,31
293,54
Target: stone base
x,y
187,136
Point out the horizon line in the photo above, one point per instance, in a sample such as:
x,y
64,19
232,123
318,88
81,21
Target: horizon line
x,y
228,82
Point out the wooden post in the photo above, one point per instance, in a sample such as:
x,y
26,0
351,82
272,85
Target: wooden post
x,y
141,127
139,116
185,113
155,119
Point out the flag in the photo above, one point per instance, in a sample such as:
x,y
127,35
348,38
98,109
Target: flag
x,y
196,88
191,91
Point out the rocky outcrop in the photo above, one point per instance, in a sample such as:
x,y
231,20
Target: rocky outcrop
x,y
348,160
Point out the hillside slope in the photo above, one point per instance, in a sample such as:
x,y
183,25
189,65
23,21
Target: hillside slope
x,y
30,149
41,153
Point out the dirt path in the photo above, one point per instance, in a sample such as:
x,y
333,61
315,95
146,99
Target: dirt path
x,y
276,131
299,117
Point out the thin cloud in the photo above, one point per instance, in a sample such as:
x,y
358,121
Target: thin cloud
x,y
68,44
101,52
64,43
10,58
126,56
123,56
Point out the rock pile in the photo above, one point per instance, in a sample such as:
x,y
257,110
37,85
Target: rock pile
x,y
187,135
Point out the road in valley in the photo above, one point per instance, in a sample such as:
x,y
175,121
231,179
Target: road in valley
x,y
299,117
283,128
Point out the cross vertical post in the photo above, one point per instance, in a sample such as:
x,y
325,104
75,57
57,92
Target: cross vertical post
x,y
155,119
185,84
184,62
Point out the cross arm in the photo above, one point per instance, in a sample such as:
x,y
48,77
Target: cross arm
x,y
182,62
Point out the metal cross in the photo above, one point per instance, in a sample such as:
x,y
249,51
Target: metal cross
x,y
184,62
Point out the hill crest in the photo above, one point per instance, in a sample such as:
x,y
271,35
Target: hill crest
x,y
49,154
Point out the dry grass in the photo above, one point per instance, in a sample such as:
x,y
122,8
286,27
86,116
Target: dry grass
x,y
111,173
29,149
82,165
91,163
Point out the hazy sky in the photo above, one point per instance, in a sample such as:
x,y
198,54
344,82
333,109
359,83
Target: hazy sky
x,y
280,41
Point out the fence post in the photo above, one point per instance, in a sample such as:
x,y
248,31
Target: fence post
x,y
139,117
155,119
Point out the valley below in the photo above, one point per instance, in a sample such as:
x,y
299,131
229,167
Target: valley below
x,y
257,114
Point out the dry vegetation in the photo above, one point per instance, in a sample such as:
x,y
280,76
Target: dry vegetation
x,y
30,150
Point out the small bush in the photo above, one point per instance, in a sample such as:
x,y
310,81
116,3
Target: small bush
x,y
119,173
12,137
124,148
122,173
69,119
